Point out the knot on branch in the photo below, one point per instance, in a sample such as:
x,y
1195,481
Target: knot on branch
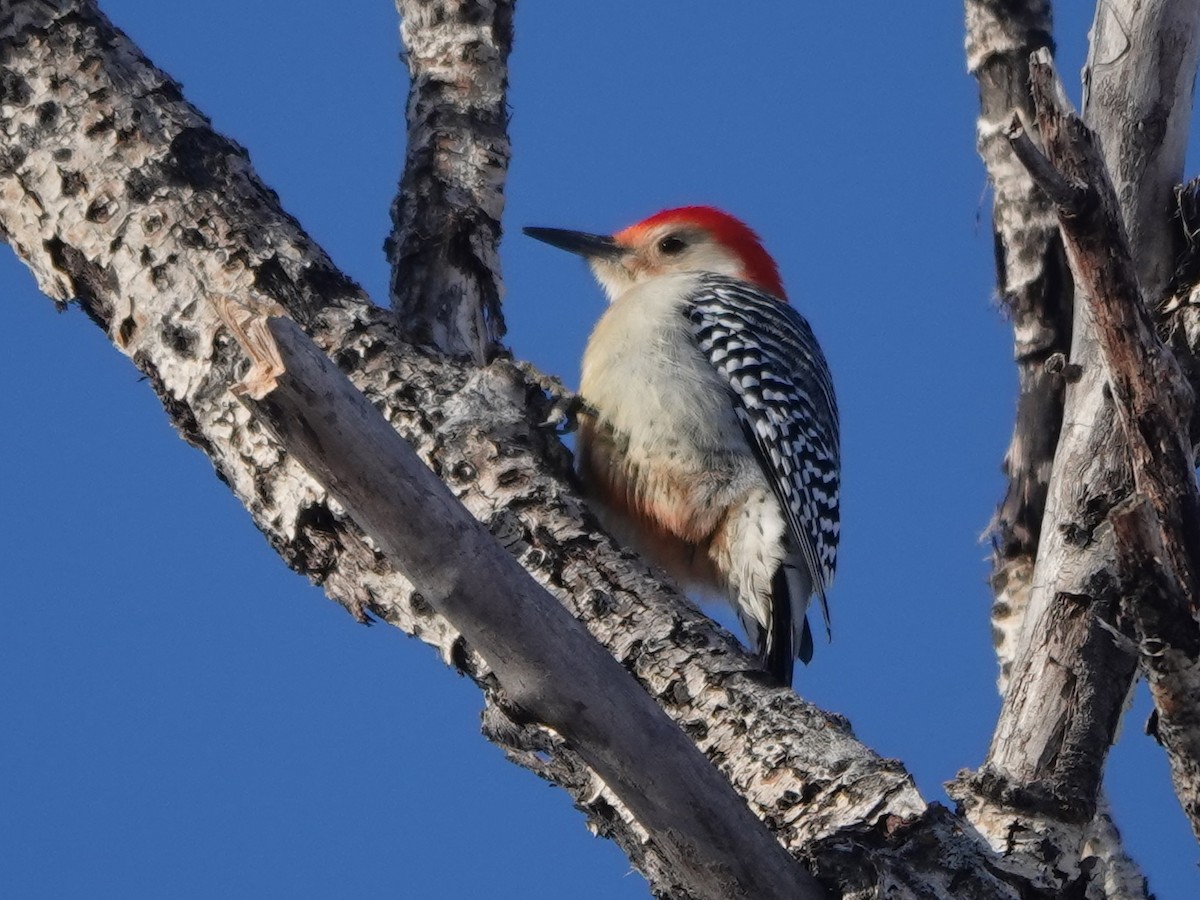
x,y
972,791
1057,364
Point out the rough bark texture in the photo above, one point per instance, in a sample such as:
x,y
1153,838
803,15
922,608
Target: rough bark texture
x,y
446,218
1166,635
1151,397
1157,532
1137,97
1138,90
1034,285
118,194
550,669
1037,792
1178,312
1067,685
1117,877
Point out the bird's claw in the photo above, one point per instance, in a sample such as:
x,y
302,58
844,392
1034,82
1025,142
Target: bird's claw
x,y
564,413
566,406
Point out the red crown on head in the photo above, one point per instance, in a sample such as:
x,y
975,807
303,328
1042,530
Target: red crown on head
x,y
757,264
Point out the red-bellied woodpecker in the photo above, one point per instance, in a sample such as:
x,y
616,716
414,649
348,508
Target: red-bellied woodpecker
x,y
709,435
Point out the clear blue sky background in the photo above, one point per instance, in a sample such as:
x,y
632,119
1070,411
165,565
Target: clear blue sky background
x,y
183,717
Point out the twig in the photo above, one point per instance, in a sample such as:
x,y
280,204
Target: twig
x,y
1071,197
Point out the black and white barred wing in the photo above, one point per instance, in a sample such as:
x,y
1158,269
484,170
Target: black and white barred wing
x,y
783,396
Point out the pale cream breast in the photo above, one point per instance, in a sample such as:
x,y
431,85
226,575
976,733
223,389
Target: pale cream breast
x,y
668,469
633,369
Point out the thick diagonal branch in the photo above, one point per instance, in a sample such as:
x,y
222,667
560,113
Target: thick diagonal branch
x,y
550,669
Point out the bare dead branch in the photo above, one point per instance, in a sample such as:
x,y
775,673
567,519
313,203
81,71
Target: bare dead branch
x,y
1076,565
443,249
1169,642
1071,197
1041,803
1177,314
1154,406
163,216
1034,285
1138,98
1153,401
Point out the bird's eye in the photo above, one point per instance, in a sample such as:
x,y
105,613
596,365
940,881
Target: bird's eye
x,y
671,245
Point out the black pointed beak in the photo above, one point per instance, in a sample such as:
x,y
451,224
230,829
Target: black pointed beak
x,y
589,246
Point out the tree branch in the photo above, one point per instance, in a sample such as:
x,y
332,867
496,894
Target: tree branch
x,y
1034,285
444,244
1169,642
1071,197
1177,314
1159,548
117,193
1152,397
1137,97
1056,756
550,669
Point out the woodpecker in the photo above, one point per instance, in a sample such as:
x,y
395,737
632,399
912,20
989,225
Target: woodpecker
x,y
709,430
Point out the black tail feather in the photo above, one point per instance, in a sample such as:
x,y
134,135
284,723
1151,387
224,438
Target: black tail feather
x,y
805,651
777,653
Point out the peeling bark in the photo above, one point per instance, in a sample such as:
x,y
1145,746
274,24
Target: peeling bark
x,y
1167,637
1178,313
1034,285
1115,875
1151,397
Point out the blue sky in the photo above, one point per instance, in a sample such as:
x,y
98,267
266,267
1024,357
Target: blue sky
x,y
186,718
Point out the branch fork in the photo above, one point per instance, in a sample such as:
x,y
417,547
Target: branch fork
x,y
1156,531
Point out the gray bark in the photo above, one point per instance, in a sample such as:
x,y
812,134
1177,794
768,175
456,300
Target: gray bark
x,y
446,219
1169,642
1137,97
1157,532
1116,877
1035,287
